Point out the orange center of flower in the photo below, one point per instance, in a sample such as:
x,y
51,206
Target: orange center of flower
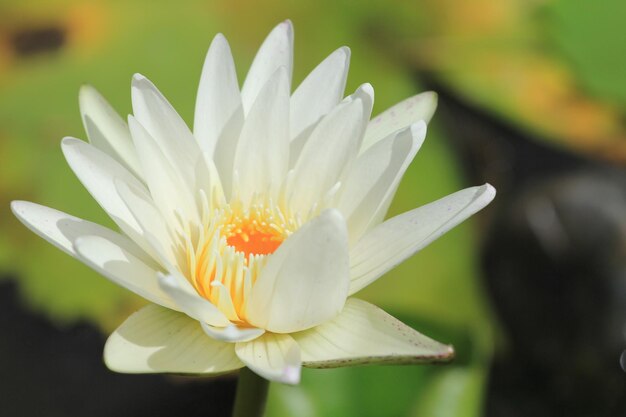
x,y
253,238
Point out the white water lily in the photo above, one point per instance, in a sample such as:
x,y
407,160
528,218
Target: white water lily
x,y
251,234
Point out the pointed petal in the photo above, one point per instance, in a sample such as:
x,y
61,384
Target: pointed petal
x,y
152,110
189,302
98,172
374,178
275,52
304,282
106,130
218,94
409,111
263,150
156,339
273,356
393,241
232,333
122,267
171,193
365,334
320,91
327,154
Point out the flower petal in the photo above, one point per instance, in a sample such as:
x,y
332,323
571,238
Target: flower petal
x,y
189,302
275,52
156,339
304,282
98,172
409,111
121,266
320,91
327,154
374,178
263,150
273,356
396,239
218,95
364,334
106,130
232,333
166,127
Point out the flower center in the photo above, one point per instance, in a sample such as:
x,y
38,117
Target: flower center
x,y
253,237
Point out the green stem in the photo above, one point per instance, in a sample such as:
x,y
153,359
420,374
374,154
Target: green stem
x,y
251,395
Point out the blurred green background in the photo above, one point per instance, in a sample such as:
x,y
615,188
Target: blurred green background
x,y
534,64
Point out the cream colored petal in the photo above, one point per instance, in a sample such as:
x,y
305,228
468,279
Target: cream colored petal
x,y
168,188
263,150
326,155
106,130
320,91
232,333
189,302
305,282
374,178
169,131
365,334
218,95
273,356
156,339
275,52
98,172
393,241
121,266
403,114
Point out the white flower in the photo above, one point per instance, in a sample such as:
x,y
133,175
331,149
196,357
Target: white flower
x,y
251,234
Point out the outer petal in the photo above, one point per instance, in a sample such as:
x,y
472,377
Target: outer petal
x,y
232,333
263,150
396,239
304,282
273,356
218,95
156,339
275,52
106,129
98,172
364,334
189,302
320,91
372,183
119,265
409,111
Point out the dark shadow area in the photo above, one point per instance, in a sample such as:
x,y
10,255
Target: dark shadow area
x,y
47,371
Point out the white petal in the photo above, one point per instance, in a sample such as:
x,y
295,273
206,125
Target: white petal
x,y
189,302
166,127
320,91
374,178
218,95
273,356
156,339
327,154
121,266
391,242
305,282
232,333
98,172
409,111
106,129
172,194
263,150
275,52
364,334
62,229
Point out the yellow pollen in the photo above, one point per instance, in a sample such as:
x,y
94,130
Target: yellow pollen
x,y
251,237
